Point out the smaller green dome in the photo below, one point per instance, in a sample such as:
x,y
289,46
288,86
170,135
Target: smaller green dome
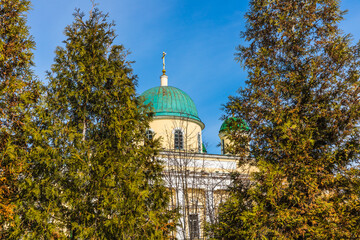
x,y
225,126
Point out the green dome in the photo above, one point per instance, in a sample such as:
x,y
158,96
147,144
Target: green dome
x,y
225,126
170,101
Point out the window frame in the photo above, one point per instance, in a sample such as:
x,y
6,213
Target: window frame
x,y
149,132
199,143
194,226
223,146
178,139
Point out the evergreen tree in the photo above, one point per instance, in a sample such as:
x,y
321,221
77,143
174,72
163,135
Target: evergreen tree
x,y
19,94
105,182
302,105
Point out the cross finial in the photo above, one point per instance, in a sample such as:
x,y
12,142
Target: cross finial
x,y
163,58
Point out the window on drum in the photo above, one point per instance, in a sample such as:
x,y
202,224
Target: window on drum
x,y
178,139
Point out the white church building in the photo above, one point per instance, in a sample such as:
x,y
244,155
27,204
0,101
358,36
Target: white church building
x,y
197,180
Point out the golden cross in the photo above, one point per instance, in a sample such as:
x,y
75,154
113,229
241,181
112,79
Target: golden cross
x,y
163,58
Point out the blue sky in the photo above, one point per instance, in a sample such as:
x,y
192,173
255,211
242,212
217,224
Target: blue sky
x,y
199,37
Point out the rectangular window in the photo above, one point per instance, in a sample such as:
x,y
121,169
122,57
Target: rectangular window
x,y
222,146
149,134
178,139
199,142
194,226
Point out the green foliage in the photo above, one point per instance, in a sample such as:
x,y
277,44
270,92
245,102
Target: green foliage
x,y
19,94
95,175
302,105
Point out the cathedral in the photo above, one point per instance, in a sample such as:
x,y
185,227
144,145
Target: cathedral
x,y
197,180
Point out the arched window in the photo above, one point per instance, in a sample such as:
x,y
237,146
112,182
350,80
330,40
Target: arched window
x,y
178,139
149,134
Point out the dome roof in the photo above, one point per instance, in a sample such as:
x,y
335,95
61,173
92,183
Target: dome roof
x,y
225,126
170,101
